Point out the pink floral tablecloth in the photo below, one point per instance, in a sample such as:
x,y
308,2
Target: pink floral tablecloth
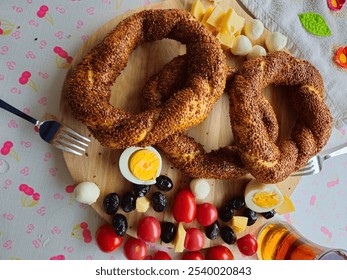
x,y
38,217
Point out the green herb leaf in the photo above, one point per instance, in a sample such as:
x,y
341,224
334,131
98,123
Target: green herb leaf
x,y
315,24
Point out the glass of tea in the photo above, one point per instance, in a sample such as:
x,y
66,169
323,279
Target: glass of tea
x,y
280,241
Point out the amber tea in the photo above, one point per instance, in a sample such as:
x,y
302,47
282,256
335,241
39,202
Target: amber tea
x,y
280,241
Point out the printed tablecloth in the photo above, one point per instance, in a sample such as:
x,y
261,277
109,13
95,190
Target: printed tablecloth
x,y
38,217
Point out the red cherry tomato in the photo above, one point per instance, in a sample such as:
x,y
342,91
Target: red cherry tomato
x,y
194,240
184,207
247,245
196,255
149,229
206,214
161,255
135,249
107,239
219,252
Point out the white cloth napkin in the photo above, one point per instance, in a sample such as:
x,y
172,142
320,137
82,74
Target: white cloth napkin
x,y
282,16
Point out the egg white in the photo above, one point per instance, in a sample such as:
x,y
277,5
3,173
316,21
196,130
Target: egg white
x,y
255,187
124,165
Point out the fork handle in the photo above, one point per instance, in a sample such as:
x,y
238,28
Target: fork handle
x,y
338,152
17,112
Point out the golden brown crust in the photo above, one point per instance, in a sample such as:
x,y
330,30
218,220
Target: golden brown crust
x,y
183,151
88,86
261,155
254,124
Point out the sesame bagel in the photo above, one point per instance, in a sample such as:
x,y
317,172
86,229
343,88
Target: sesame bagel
x,y
256,148
267,160
87,88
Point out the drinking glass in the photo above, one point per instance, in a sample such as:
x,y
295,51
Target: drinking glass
x,y
281,241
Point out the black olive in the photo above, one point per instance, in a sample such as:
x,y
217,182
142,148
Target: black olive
x,y
228,235
111,203
268,215
128,202
212,231
164,183
120,224
251,215
168,232
226,213
237,203
159,202
141,190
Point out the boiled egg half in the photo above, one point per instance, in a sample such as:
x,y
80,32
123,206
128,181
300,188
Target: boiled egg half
x,y
261,197
140,165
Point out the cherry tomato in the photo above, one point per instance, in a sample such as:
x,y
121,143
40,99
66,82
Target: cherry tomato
x,y
161,255
107,239
206,214
135,249
194,240
219,252
184,207
196,255
247,245
149,229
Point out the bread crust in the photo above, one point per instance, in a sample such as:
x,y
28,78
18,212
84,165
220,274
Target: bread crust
x,y
88,86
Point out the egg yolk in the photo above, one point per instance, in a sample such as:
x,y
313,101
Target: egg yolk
x,y
266,199
144,164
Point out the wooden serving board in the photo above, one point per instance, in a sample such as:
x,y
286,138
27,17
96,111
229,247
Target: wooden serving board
x,y
100,164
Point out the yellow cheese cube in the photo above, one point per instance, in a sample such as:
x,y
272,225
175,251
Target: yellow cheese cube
x,y
232,22
239,223
286,207
227,21
226,39
179,239
142,204
205,17
198,10
216,17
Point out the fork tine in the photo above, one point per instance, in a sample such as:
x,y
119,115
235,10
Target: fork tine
x,y
306,168
62,141
67,149
304,173
74,133
72,139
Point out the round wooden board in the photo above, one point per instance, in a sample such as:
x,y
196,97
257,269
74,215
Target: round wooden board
x,y
100,164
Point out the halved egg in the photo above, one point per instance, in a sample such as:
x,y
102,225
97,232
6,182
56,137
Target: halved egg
x,y
261,197
140,165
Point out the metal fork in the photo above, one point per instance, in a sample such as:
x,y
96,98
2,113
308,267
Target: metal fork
x,y
315,164
53,132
